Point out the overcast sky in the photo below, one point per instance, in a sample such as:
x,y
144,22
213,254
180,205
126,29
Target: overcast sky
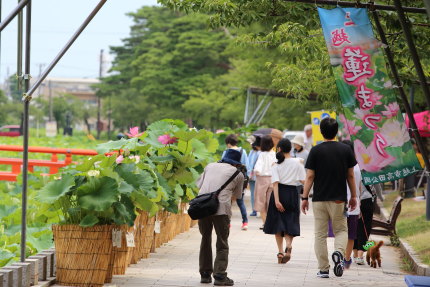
x,y
54,21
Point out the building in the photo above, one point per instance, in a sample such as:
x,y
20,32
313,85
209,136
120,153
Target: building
x,y
81,88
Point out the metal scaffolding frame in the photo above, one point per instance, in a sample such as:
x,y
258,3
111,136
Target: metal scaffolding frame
x,y
24,85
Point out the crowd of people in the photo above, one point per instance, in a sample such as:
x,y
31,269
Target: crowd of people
x,y
281,175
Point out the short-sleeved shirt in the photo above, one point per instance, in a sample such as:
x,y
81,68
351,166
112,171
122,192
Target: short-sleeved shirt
x,y
214,176
330,161
264,163
289,172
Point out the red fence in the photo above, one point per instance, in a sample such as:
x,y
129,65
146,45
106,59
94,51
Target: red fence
x,y
53,164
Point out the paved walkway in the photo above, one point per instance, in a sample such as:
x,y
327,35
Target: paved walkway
x,y
253,262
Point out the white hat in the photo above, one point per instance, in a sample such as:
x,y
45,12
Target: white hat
x,y
298,139
308,127
251,139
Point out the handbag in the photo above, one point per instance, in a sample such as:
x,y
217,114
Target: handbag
x,y
207,204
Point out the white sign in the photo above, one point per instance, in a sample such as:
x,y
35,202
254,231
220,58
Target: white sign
x,y
51,129
157,227
130,239
116,238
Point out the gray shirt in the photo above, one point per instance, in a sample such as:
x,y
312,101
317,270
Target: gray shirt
x,y
214,176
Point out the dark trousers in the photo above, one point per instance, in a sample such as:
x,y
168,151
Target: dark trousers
x,y
242,208
366,208
221,225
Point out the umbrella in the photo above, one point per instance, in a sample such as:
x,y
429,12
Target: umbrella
x,y
274,133
423,123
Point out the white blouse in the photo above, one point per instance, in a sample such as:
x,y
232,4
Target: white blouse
x,y
357,176
289,172
264,163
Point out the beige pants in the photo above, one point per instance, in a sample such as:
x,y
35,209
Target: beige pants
x,y
262,193
323,211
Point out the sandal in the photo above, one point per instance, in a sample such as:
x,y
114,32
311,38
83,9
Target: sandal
x,y
287,255
280,257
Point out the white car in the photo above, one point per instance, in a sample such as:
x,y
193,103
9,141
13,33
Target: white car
x,y
291,134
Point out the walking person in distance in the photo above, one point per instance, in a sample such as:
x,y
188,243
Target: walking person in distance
x,y
330,167
263,171
231,142
214,176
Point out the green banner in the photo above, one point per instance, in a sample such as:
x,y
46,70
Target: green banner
x,y
371,115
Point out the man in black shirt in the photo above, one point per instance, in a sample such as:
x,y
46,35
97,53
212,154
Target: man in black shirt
x,y
330,166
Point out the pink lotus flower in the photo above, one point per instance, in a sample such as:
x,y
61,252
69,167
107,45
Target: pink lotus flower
x,y
167,139
395,133
134,133
350,126
119,159
360,114
369,158
391,110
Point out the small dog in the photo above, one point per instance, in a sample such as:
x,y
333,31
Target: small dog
x,y
373,255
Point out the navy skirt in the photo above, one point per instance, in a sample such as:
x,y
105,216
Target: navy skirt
x,y
287,222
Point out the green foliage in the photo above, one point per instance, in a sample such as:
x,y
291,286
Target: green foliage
x,y
143,173
293,29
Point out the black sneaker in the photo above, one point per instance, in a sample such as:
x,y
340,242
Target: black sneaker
x,y
224,282
338,263
205,277
323,274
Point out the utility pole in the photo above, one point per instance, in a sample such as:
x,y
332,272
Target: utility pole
x,y
51,114
98,96
40,74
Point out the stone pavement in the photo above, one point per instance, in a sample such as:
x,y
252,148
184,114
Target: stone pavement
x,y
253,262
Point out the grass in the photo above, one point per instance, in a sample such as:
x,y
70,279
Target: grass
x,y
412,225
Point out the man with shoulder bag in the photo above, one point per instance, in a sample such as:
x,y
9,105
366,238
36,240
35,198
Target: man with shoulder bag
x,y
221,179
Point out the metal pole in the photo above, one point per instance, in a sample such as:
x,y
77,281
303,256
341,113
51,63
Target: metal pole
x,y
110,117
248,95
65,49
51,113
13,14
413,50
412,122
26,134
402,92
359,4
98,96
19,52
257,109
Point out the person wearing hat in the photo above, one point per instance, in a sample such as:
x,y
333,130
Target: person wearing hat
x,y
299,148
213,177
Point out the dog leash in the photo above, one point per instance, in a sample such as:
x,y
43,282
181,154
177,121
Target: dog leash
x,y
368,244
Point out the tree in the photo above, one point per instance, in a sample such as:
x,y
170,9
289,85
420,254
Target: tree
x,y
167,57
294,29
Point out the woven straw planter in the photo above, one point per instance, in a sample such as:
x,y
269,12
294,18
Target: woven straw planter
x,y
122,254
83,254
148,236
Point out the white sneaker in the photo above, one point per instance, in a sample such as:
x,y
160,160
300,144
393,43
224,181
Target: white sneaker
x,y
359,261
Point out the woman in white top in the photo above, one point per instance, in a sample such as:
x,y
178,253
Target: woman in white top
x,y
263,172
283,216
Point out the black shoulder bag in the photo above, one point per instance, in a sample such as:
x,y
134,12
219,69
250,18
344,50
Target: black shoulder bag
x,y
207,204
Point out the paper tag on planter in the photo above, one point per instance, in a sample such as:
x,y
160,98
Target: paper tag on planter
x,y
116,238
157,227
130,239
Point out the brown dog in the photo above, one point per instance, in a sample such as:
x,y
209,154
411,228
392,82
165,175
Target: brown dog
x,y
374,255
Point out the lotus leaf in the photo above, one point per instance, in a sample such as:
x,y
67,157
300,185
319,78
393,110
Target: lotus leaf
x,y
98,194
54,190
